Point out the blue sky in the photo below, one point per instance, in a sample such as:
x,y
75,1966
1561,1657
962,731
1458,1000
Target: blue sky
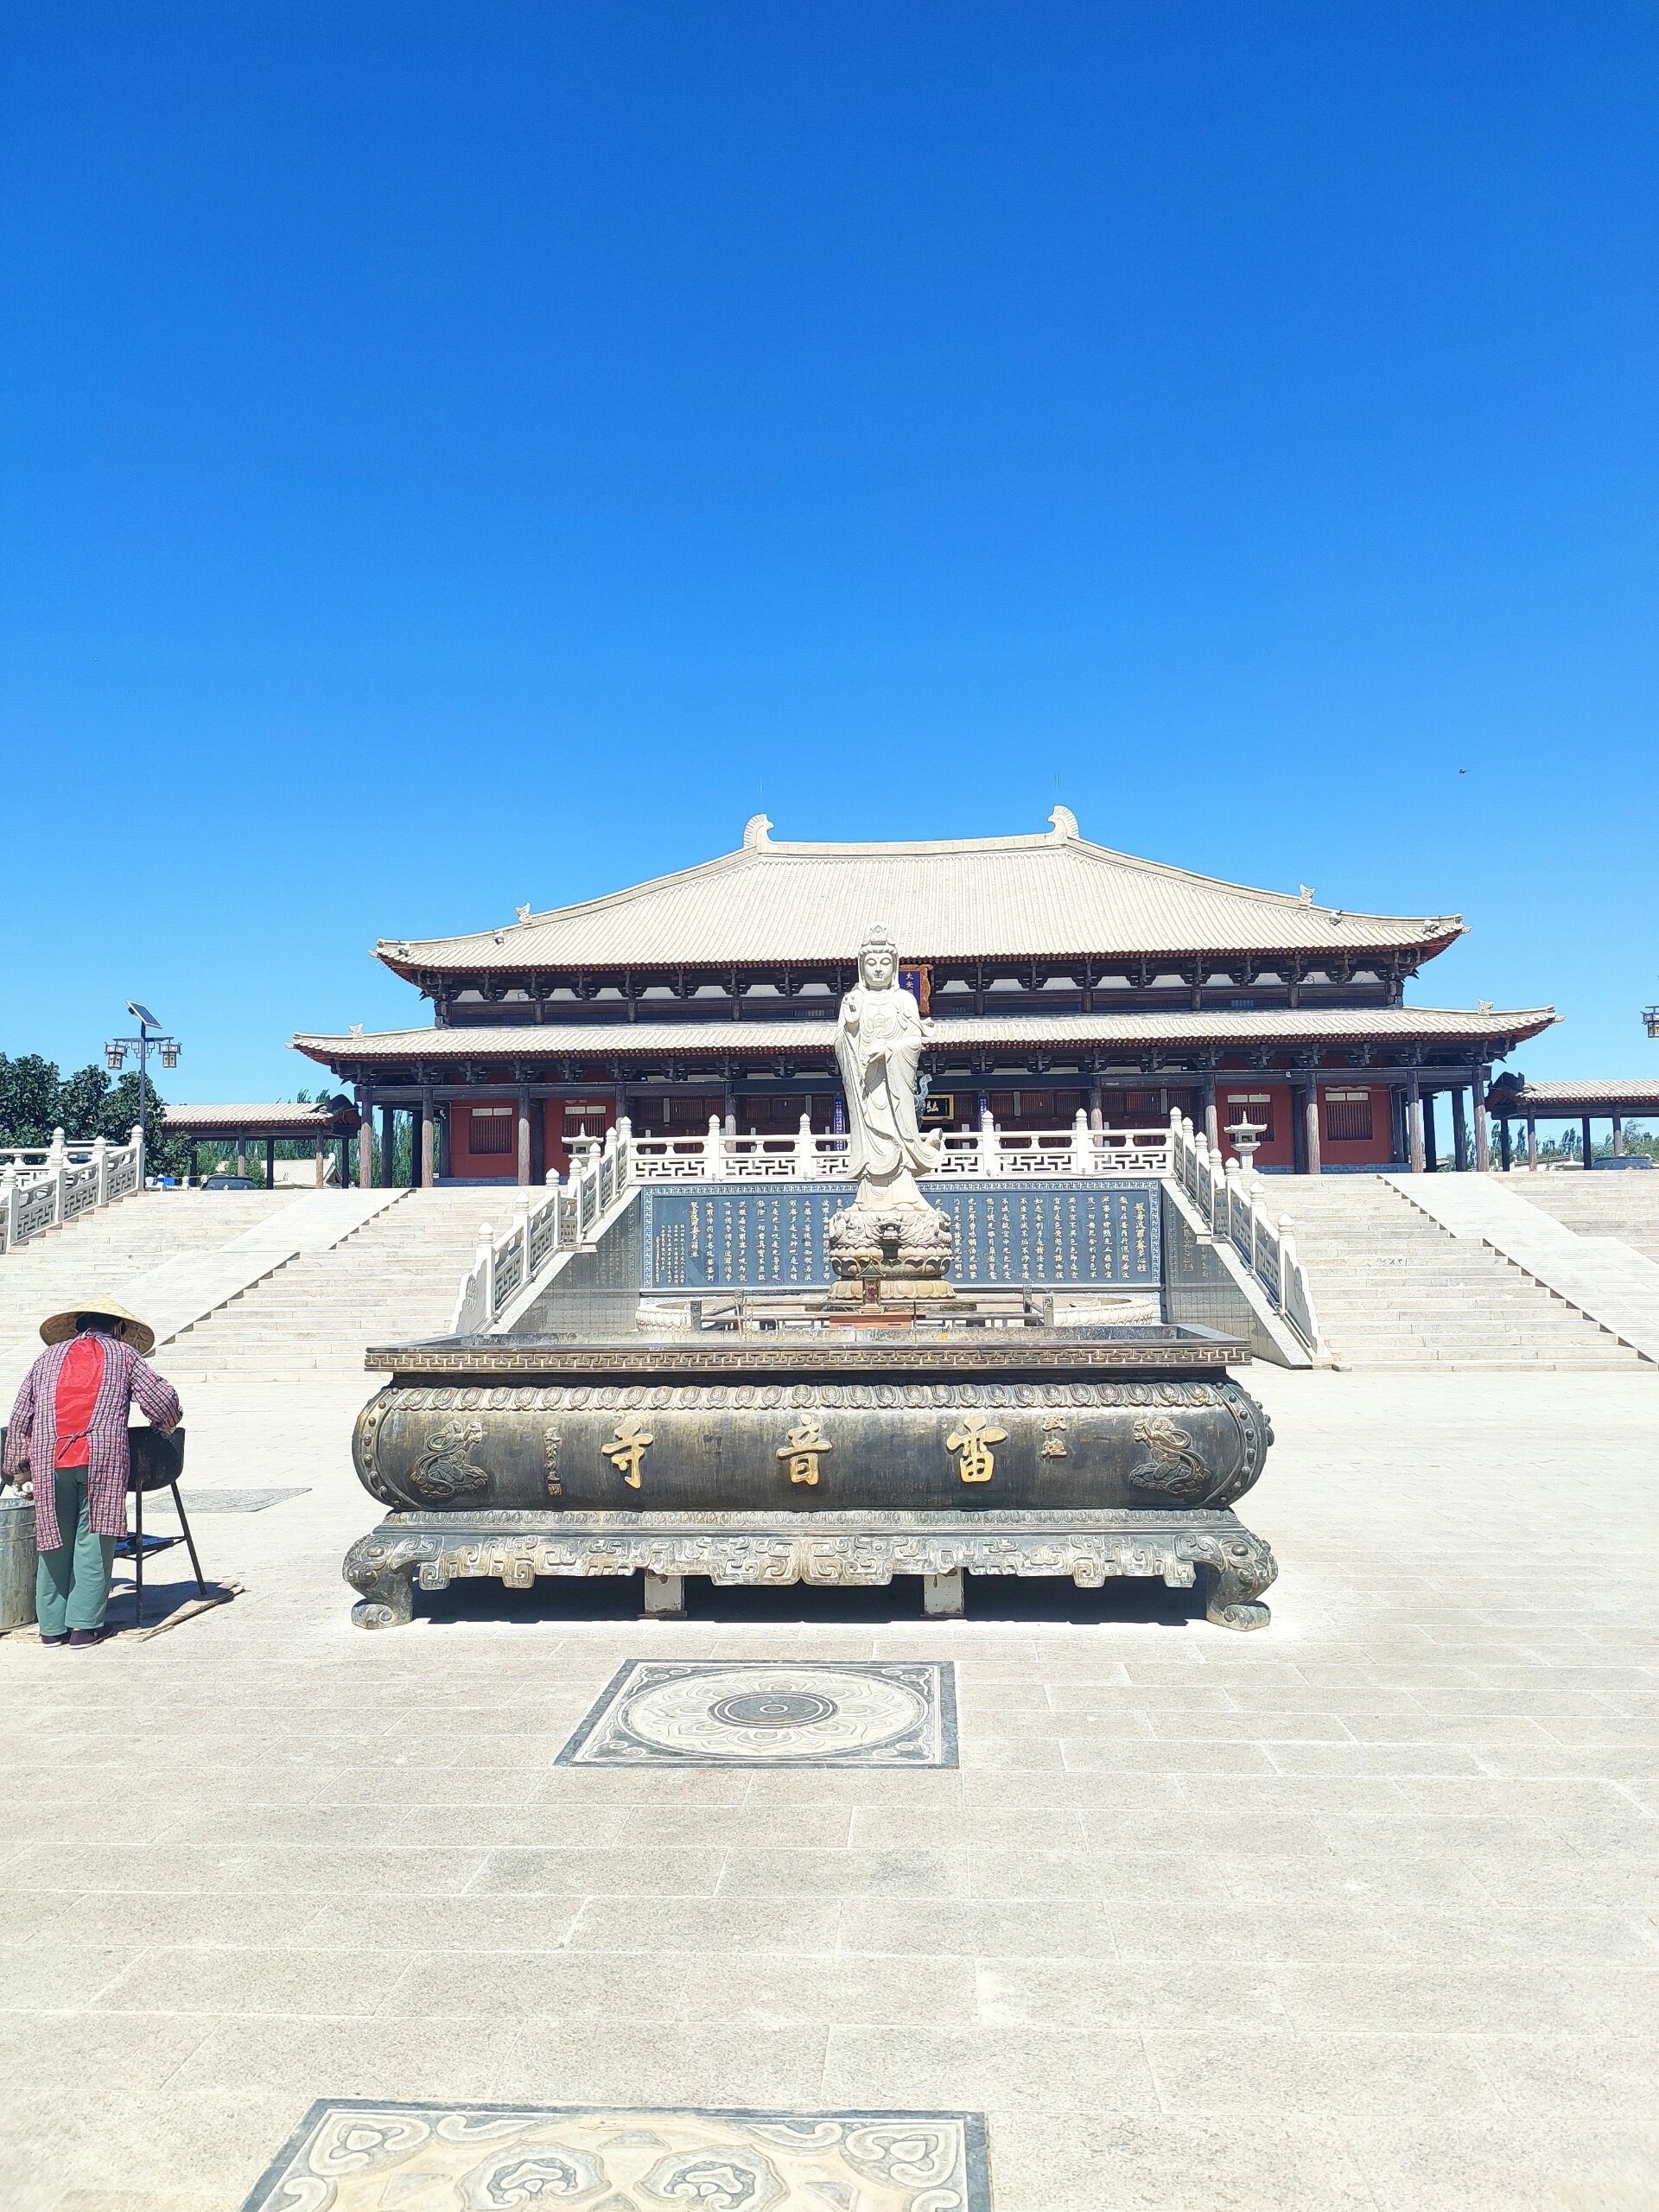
x,y
453,456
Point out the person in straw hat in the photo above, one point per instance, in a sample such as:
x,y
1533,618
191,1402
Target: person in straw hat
x,y
68,1434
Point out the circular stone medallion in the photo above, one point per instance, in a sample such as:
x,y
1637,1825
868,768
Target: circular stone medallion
x,y
772,1709
773,1713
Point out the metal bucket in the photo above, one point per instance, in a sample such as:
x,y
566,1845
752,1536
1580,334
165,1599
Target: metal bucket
x,y
16,1560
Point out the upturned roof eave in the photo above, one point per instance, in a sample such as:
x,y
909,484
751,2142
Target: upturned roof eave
x,y
434,959
1297,1027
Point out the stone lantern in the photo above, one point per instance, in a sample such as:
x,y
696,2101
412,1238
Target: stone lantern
x,y
1246,1135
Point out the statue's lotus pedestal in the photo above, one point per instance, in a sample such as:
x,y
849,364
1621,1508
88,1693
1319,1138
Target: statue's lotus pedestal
x,y
890,1264
826,1459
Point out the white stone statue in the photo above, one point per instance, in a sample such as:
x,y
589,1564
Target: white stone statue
x,y
879,1038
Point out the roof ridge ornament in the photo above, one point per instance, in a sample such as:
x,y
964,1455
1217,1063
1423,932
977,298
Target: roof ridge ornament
x,y
523,911
1305,893
1063,825
757,833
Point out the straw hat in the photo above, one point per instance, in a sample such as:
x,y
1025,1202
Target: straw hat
x,y
58,1328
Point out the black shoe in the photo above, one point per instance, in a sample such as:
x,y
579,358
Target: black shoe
x,y
80,1638
64,1638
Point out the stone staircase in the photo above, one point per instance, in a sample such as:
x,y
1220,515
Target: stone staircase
x,y
1392,1289
110,1249
1608,1202
394,1279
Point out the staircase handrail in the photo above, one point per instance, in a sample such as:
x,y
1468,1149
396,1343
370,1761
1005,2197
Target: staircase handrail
x,y
68,1180
1229,1197
555,1220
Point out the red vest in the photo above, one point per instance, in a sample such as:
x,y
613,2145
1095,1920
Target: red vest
x,y
78,1384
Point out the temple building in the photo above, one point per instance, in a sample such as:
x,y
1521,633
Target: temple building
x,y
1059,977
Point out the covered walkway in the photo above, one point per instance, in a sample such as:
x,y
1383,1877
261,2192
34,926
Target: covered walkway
x,y
329,1120
1513,1099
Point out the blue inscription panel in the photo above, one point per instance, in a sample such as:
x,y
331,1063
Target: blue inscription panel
x,y
1061,1231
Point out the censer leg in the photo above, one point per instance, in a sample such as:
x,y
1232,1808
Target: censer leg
x,y
664,1596
944,1596
1236,1580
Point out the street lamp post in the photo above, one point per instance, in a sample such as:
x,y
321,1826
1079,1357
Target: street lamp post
x,y
150,1035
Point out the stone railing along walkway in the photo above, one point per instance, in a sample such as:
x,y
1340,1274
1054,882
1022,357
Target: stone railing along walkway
x,y
44,1186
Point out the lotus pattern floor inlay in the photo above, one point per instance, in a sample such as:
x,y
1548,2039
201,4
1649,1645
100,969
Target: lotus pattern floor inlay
x,y
351,2156
771,1713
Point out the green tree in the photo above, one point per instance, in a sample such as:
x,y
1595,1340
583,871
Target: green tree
x,y
28,1099
82,1098
34,1099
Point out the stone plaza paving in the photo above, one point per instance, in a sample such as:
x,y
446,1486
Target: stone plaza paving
x,y
1356,1911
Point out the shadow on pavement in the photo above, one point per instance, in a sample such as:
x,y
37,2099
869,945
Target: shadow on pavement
x,y
990,1598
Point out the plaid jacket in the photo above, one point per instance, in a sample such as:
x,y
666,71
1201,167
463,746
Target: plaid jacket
x,y
32,1436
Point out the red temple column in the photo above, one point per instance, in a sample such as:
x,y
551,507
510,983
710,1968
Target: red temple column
x,y
1482,1138
1414,1122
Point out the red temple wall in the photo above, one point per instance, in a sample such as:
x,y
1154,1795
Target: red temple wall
x,y
1343,1139
469,1163
1347,1111
1240,1095
1375,1150
567,1117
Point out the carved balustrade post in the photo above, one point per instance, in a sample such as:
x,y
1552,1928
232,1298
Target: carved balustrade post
x,y
1235,1206
714,1152
1082,1145
8,1206
101,1171
806,1157
990,1145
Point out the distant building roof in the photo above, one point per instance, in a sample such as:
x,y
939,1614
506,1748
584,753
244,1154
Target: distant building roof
x,y
278,1117
680,1039
1599,1095
969,898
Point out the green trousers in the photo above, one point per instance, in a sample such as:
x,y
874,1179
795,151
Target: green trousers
x,y
71,1582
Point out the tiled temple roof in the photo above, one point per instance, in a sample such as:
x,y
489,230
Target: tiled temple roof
x,y
1290,1027
280,1116
976,897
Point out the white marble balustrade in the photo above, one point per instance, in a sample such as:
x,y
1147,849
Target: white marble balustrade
x,y
567,1215
1229,1196
42,1186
